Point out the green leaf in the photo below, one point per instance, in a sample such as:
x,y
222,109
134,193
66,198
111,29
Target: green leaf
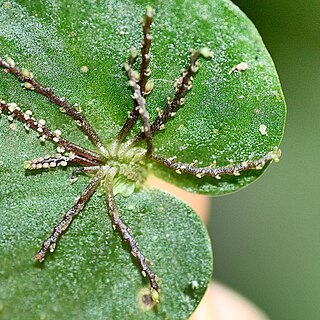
x,y
223,112
77,49
221,118
92,274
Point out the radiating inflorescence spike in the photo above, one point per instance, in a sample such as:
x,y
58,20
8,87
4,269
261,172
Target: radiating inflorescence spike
x,y
212,171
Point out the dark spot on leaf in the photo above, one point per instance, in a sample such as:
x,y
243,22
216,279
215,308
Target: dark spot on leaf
x,y
145,300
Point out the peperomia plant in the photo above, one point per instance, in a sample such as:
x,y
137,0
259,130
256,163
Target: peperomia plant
x,y
212,129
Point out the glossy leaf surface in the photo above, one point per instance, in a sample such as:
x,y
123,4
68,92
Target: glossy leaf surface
x,y
92,274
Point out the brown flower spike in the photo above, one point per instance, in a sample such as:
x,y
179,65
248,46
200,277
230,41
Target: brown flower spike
x,y
118,159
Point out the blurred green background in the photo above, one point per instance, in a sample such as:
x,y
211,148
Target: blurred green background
x,y
266,238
